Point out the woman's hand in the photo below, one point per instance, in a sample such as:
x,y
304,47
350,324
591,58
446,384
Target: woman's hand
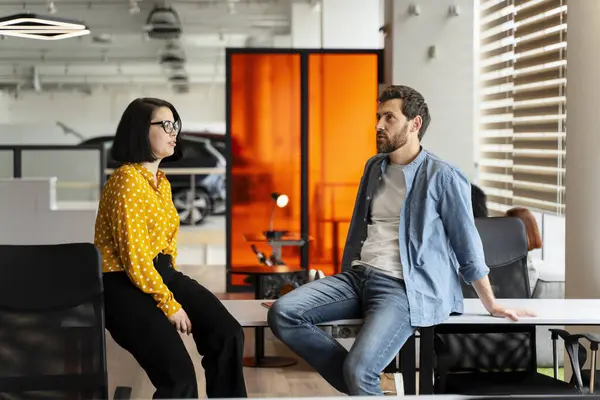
x,y
181,322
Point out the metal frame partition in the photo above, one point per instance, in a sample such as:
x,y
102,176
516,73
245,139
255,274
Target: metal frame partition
x,y
17,155
243,100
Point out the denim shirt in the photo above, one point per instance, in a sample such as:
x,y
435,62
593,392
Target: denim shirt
x,y
438,237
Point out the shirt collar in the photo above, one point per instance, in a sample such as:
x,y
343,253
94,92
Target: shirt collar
x,y
146,173
412,166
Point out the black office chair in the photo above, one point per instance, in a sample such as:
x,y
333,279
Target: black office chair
x,y
52,338
495,359
582,378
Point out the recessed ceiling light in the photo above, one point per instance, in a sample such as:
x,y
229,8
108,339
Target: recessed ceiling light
x,y
32,26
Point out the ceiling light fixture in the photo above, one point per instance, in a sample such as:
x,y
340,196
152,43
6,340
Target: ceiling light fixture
x,y
32,26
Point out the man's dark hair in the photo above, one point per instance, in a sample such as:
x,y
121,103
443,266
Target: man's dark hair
x,y
413,104
132,141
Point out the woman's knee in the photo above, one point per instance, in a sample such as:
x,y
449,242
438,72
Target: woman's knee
x,y
228,331
234,332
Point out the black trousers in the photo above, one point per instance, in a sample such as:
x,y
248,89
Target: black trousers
x,y
136,324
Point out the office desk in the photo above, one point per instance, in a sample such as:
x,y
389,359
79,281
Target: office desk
x,y
250,313
549,312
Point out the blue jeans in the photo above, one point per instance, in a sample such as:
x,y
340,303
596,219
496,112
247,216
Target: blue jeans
x,y
359,293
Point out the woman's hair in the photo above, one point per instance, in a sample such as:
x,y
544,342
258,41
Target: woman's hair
x,y
478,201
531,228
132,141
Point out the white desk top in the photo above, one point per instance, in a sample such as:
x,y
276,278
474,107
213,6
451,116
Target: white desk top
x,y
549,312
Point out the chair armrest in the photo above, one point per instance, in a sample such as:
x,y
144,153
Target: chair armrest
x,y
564,335
122,393
593,338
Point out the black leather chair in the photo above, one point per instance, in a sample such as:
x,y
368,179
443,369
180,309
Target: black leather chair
x,y
500,359
52,337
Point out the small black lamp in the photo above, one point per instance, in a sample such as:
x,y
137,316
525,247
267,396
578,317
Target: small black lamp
x,y
279,201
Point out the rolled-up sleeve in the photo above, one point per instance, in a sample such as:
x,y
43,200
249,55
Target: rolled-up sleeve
x,y
456,212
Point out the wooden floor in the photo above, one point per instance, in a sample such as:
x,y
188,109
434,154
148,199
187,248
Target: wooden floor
x,y
299,380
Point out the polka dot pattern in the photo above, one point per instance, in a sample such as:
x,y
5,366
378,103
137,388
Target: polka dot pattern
x,y
136,221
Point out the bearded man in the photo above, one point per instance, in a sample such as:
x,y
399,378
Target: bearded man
x,y
411,237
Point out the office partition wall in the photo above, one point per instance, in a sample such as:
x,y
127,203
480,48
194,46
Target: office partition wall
x,y
300,122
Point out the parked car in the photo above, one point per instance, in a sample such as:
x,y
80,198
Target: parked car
x,y
209,192
216,139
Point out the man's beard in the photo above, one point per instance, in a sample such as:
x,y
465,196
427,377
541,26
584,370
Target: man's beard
x,y
389,145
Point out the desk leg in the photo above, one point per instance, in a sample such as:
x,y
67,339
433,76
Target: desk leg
x,y
426,361
335,251
408,366
260,360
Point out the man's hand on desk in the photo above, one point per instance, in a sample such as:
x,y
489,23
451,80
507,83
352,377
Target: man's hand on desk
x,y
510,313
486,295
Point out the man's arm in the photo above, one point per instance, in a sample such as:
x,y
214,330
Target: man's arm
x,y
486,295
456,212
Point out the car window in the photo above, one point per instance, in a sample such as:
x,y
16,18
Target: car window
x,y
196,155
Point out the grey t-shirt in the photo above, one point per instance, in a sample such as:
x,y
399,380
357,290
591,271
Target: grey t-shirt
x,y
381,249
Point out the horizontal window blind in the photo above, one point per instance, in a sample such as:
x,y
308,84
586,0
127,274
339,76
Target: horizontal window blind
x,y
522,117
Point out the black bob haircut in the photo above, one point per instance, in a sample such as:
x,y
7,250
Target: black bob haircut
x,y
132,141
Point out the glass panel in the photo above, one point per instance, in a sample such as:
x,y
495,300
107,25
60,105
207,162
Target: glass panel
x,y
6,164
343,91
77,173
265,147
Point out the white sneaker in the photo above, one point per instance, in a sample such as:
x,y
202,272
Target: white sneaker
x,y
315,274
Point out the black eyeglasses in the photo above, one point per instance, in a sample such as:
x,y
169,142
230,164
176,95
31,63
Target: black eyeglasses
x,y
169,126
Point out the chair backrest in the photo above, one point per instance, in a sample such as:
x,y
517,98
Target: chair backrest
x,y
505,246
494,348
52,340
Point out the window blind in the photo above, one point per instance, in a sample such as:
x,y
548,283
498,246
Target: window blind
x,y
522,117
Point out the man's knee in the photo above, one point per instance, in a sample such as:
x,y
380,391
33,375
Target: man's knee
x,y
282,316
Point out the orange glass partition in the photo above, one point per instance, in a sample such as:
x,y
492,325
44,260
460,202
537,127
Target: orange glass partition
x,y
264,128
343,91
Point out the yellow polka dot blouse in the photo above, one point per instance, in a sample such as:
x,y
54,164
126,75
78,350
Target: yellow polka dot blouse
x,y
136,221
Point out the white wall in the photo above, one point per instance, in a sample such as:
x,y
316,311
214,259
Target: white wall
x,y
339,24
31,118
351,24
306,26
30,215
447,81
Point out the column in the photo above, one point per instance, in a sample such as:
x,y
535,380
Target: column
x,y
4,107
340,24
433,51
582,266
6,134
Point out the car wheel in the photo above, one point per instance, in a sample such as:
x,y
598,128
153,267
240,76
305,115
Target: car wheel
x,y
199,210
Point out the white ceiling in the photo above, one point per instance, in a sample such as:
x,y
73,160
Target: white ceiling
x,y
118,53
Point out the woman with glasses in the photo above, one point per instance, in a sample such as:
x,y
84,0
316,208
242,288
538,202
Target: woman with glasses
x,y
148,302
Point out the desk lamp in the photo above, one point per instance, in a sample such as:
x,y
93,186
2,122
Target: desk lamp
x,y
279,201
